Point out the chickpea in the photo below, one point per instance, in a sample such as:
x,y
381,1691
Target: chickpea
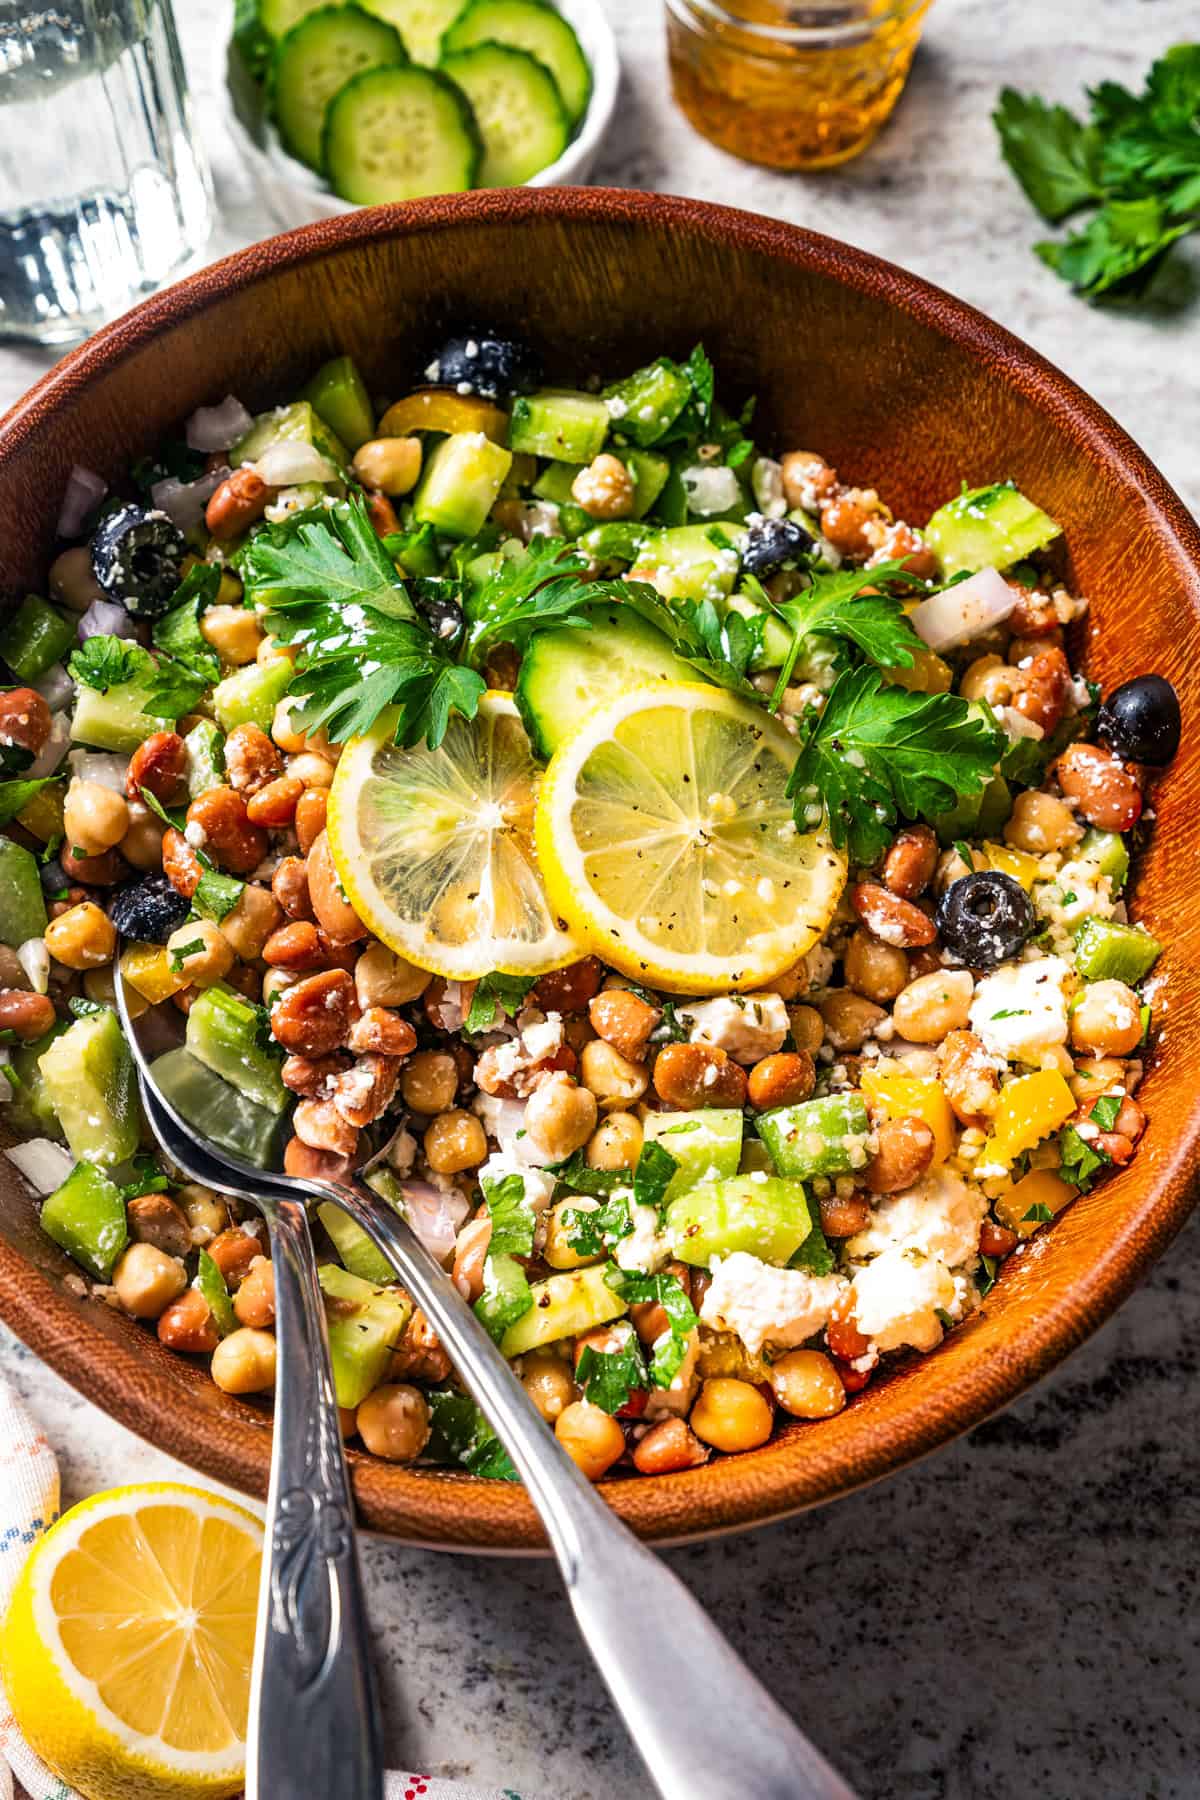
x,y
81,938
455,1141
934,1005
276,982
547,1380
381,978
254,1302
73,580
1041,822
234,633
849,1019
391,465
251,922
244,1362
806,1384
197,949
807,1027
470,1254
616,1142
988,678
873,969
147,1280
310,770
95,817
1099,1075
290,739
558,1250
429,1082
206,1214
612,1078
667,1447
1105,1020
393,1422
560,1116
590,1436
270,650
793,982
142,844
731,1414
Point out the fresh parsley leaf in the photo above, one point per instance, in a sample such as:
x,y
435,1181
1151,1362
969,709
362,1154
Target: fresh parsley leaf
x,y
577,1175
178,632
591,1231
461,1434
506,1295
1120,242
174,459
671,1029
512,1216
652,1177
1050,152
1106,1110
878,751
176,818
699,372
16,795
985,1275
79,1008
545,587
814,1254
174,687
671,1348
180,954
329,555
836,606
102,662
216,894
1079,1161
608,1377
148,1178
1011,1012
729,643
503,993
1038,1214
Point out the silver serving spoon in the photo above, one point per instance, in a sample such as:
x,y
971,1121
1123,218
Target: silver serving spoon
x,y
703,1725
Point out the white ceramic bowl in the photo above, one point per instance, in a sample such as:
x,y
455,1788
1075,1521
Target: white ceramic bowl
x,y
295,195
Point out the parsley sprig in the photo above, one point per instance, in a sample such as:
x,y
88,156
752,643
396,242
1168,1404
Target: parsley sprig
x,y
850,604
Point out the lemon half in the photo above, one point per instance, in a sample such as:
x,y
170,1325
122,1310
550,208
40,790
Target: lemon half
x,y
434,848
127,1646
666,841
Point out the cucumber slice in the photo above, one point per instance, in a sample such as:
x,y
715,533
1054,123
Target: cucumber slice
x,y
358,1254
36,636
817,1137
765,1215
22,903
421,23
30,1112
1106,950
559,423
249,696
223,1034
316,58
338,394
365,1325
518,110
461,481
86,1218
89,1078
648,402
533,26
707,1144
298,423
220,1112
988,527
568,673
113,720
564,1306
684,563
396,134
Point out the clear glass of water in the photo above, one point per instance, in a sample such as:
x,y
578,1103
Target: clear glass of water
x,y
104,190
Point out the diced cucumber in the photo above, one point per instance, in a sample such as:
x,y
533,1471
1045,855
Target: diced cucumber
x,y
776,636
416,551
113,720
817,1137
89,1078
223,1033
205,748
86,1218
1108,951
649,401
988,527
338,394
517,108
555,483
765,1215
298,423
22,903
219,1112
566,674
995,806
421,23
707,1144
355,1249
684,563
536,27
563,1306
1110,853
365,1325
210,1284
976,815
649,473
559,423
249,696
395,134
461,480
30,1112
316,58
36,636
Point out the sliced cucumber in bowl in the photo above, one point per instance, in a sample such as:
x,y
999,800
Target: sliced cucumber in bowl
x,y
396,134
535,27
316,58
518,109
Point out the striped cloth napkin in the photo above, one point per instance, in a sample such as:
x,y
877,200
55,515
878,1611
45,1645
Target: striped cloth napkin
x,y
29,1502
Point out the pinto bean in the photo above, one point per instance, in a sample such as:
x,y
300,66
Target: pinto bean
x,y
667,1447
157,1219
842,1218
905,1151
781,1080
419,1355
624,1021
969,1079
909,864
311,809
996,1240
25,720
320,1125
569,990
181,865
229,838
383,1031
364,1093
313,1017
294,946
1106,791
160,766
27,1016
691,1075
234,1250
274,806
890,918
334,913
289,884
1040,690
251,760
187,1324
237,503
309,1164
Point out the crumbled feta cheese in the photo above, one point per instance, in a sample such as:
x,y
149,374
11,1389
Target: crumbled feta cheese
x,y
710,491
747,1027
539,1183
645,1248
541,1034
939,1217
1020,1011
897,1298
766,1305
766,479
402,1152
504,1120
676,1399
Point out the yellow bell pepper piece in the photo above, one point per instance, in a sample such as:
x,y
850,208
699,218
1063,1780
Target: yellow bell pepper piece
x,y
147,968
43,817
1041,1187
1029,1109
928,674
901,1096
1017,863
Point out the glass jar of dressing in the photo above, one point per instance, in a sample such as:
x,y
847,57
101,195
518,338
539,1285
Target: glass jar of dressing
x,y
792,85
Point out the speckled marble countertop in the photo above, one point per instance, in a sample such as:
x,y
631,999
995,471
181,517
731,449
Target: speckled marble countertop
x,y
1018,1615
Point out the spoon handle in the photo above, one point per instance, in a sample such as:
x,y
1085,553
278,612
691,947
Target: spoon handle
x,y
314,1718
703,1724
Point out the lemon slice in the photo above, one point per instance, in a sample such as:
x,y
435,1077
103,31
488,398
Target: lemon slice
x,y
126,1649
435,847
667,841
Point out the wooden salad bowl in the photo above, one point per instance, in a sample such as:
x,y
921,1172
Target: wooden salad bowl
x,y
902,388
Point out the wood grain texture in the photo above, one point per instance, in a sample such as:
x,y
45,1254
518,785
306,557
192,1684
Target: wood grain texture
x,y
903,388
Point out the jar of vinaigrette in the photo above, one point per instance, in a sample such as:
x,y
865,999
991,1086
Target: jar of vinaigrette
x,y
794,84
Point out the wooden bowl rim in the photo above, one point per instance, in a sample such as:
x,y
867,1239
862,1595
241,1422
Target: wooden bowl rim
x,y
455,1511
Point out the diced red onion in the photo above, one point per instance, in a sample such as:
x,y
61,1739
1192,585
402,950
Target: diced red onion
x,y
83,492
101,766
964,611
184,501
435,1216
55,686
34,958
289,462
53,750
218,427
44,1165
106,618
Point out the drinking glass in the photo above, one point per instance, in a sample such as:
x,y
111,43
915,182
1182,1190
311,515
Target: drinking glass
x,y
104,190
